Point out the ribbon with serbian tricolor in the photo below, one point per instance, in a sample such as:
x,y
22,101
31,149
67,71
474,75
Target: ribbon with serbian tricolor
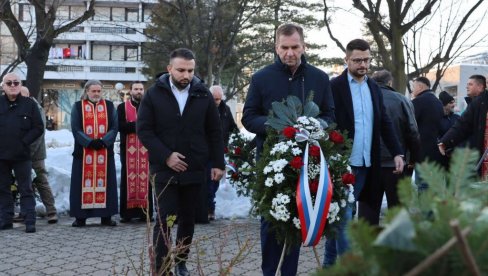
x,y
313,215
231,166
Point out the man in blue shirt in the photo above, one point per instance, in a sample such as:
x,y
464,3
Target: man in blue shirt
x,y
359,109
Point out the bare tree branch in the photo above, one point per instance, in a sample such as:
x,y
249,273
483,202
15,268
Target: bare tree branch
x,y
326,21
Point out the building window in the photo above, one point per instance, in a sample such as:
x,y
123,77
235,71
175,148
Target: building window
x,y
147,14
24,12
117,52
132,15
102,14
130,53
100,52
76,11
62,13
118,14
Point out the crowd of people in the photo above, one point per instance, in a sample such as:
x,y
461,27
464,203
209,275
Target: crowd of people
x,y
173,136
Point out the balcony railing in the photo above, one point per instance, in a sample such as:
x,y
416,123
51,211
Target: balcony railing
x,y
113,30
64,68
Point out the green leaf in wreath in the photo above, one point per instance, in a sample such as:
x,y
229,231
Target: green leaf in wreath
x,y
276,123
311,109
295,104
281,111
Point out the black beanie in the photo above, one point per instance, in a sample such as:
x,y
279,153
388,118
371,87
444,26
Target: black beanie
x,y
445,97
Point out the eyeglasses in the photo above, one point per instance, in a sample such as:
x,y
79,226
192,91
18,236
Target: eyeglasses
x,y
361,60
12,83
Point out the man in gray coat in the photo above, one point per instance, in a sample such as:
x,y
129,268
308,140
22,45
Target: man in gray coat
x,y
401,112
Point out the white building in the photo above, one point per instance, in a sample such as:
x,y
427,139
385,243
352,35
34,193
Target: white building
x,y
107,47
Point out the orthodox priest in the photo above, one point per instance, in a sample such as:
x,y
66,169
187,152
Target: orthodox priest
x,y
93,190
135,192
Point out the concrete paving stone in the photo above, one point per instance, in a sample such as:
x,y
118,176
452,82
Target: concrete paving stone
x,y
19,270
52,270
67,273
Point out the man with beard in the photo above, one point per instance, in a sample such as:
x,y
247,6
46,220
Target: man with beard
x,y
135,191
93,191
359,109
176,122
448,120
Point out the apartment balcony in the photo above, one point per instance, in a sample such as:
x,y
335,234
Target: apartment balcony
x,y
72,69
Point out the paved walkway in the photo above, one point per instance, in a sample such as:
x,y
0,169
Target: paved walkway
x,y
122,250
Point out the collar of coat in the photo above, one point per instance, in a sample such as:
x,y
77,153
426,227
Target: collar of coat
x,y
197,89
286,68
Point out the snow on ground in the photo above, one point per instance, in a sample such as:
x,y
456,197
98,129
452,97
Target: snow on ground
x,y
59,145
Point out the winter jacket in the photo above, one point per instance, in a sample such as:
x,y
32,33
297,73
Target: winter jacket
x,y
274,83
471,124
428,113
401,113
21,125
162,129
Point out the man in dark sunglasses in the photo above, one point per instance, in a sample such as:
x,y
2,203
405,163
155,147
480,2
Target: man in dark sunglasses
x,y
21,124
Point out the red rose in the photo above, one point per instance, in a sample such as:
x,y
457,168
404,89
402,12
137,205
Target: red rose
x,y
226,150
235,176
336,137
237,151
348,178
296,162
289,132
314,151
314,186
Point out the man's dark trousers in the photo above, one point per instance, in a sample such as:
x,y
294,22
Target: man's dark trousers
x,y
179,200
22,171
271,254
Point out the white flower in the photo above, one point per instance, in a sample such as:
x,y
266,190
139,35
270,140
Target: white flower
x,y
313,170
278,165
343,203
296,222
350,194
333,212
268,182
279,177
280,147
268,168
296,151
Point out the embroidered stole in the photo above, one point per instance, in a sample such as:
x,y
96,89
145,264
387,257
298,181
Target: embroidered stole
x,y
94,171
136,163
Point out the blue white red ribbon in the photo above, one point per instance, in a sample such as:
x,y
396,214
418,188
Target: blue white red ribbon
x,y
231,166
313,215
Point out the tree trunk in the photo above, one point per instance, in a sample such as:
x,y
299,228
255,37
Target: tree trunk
x,y
398,60
36,65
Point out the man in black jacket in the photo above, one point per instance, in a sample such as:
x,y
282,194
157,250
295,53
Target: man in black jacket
x,y
471,124
176,123
21,125
428,113
360,110
290,74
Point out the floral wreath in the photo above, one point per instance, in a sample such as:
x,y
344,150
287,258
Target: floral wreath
x,y
241,162
303,169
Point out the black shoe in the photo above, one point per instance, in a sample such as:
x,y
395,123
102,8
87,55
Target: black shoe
x,y
6,226
79,223
30,228
181,270
125,220
108,222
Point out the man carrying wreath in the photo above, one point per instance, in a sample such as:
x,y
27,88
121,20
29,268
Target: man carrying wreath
x,y
290,74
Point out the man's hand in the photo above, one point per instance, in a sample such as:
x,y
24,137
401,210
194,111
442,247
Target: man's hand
x,y
398,164
176,163
216,174
442,148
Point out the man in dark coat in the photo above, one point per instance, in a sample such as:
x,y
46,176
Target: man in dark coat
x,y
228,125
176,122
139,203
21,125
290,74
428,113
471,124
93,191
400,110
448,120
360,110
